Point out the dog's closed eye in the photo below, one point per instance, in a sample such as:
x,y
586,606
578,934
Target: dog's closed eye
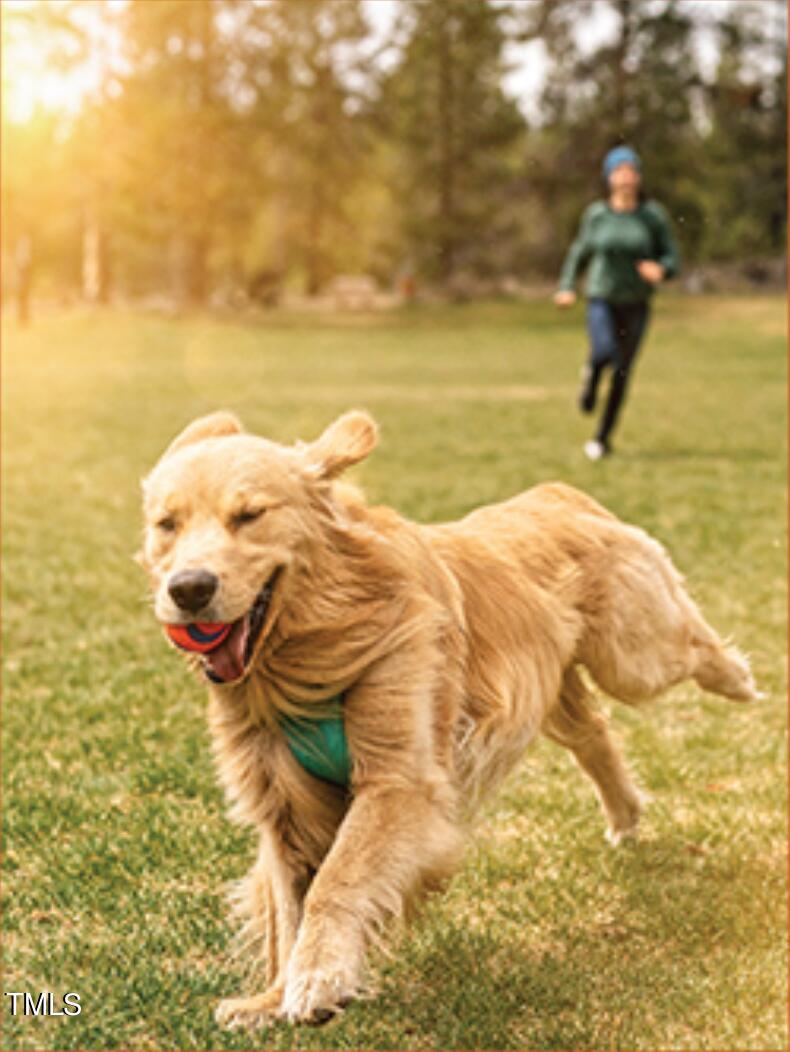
x,y
246,516
167,524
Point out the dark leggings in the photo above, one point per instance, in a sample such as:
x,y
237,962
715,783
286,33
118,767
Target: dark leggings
x,y
616,331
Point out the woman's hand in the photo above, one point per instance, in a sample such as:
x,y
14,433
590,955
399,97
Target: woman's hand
x,y
650,271
564,298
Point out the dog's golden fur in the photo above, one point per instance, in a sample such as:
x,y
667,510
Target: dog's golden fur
x,y
454,645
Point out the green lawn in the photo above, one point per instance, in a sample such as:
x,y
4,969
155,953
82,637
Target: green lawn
x,y
117,848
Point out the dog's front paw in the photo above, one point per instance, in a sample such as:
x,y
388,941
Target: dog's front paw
x,y
317,995
615,837
249,1013
623,821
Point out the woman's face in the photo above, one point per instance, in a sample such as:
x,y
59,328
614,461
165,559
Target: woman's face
x,y
624,177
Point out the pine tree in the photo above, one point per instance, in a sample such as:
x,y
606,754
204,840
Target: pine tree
x,y
745,186
301,63
181,136
454,131
640,88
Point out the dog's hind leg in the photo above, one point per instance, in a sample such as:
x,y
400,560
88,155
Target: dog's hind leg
x,y
573,724
646,633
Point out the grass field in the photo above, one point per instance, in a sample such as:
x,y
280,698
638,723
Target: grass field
x,y
117,848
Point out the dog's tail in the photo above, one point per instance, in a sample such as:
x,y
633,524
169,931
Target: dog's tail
x,y
724,670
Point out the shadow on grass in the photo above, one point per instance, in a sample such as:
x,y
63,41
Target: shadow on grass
x,y
663,965
645,947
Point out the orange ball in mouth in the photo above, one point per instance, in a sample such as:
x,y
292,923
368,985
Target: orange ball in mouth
x,y
200,637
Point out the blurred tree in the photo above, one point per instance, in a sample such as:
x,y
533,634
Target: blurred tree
x,y
93,188
644,85
454,132
30,172
37,231
306,71
745,189
561,162
223,144
181,137
639,86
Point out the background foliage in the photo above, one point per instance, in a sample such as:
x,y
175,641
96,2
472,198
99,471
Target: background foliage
x,y
236,147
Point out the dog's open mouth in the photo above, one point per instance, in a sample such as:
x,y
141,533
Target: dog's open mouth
x,y
231,657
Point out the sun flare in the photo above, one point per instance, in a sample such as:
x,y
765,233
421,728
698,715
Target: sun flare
x,y
49,63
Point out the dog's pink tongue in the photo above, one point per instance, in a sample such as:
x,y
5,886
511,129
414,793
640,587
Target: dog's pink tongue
x,y
227,661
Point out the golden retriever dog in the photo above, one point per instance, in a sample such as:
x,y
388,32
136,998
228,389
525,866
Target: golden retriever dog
x,y
440,651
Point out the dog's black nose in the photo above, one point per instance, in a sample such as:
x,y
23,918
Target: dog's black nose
x,y
191,590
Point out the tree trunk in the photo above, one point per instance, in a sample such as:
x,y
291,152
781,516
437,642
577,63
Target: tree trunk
x,y
189,269
23,266
197,270
315,225
96,270
446,187
621,54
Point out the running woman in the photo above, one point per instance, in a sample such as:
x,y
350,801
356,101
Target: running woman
x,y
626,244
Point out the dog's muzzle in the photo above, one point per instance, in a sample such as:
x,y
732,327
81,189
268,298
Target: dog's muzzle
x,y
226,649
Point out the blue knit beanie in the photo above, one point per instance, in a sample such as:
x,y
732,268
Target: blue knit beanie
x,y
620,155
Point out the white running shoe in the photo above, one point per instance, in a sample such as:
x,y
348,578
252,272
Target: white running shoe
x,y
595,450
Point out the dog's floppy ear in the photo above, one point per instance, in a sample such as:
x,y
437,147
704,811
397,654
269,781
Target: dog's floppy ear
x,y
345,442
215,425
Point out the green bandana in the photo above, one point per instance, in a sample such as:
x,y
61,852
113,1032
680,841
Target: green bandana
x,y
320,745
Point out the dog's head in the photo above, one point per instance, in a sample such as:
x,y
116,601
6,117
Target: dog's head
x,y
229,516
